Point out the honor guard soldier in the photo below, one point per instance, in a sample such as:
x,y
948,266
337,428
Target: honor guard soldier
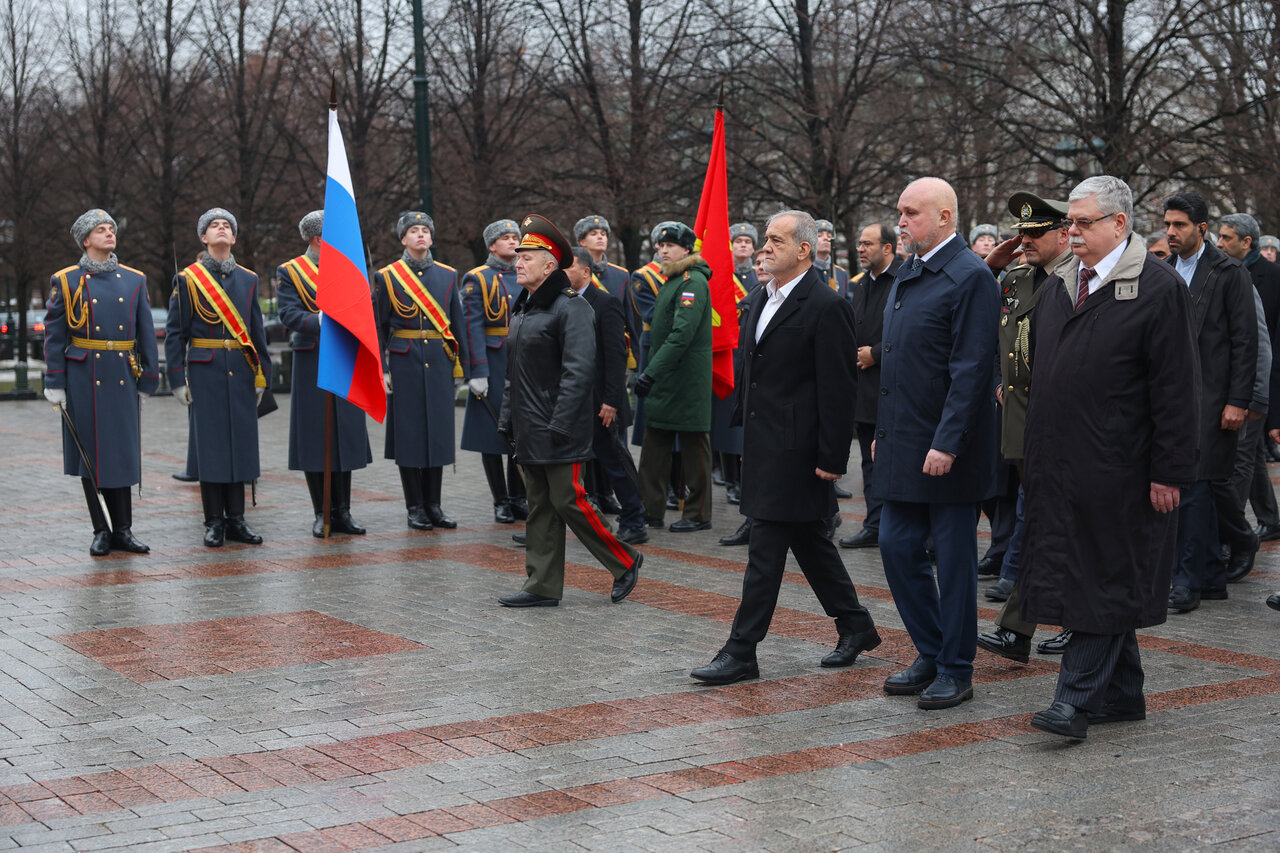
x,y
836,276
1269,246
644,287
349,448
592,233
744,237
216,349
419,315
983,238
100,348
487,294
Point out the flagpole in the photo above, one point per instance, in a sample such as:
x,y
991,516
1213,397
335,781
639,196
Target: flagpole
x,y
326,504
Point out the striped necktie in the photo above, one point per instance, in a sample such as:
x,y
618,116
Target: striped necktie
x,y
1086,275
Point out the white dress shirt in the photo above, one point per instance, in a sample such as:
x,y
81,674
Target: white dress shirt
x,y
1103,268
777,295
1187,268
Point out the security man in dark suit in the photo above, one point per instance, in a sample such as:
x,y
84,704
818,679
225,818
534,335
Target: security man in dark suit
x,y
349,451
797,428
935,443
880,265
216,350
100,352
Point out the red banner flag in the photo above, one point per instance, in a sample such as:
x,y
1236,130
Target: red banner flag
x,y
712,231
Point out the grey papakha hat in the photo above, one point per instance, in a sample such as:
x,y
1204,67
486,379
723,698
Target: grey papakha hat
x,y
494,230
590,223
657,229
825,225
216,213
88,221
311,225
410,218
744,229
1269,241
983,231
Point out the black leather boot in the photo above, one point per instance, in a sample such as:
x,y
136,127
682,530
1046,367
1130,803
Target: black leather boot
x,y
236,528
411,480
120,504
211,496
502,512
434,479
101,545
340,520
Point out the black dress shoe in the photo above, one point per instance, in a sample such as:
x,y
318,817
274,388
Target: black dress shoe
x,y
842,493
990,565
528,599
1219,594
1267,532
520,508
673,502
184,477
340,521
123,540
831,524
911,680
439,519
1007,644
608,504
946,691
215,533
741,537
633,535
101,545
1000,590
850,646
864,538
317,526
1183,600
1055,645
519,538
238,531
655,523
726,669
1241,561
1062,719
622,586
733,494
1273,601
418,519
1111,713
717,476
686,525
502,513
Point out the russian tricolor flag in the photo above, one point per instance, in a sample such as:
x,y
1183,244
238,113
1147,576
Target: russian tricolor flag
x,y
350,357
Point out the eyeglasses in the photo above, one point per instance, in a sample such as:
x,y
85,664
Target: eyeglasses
x,y
1084,224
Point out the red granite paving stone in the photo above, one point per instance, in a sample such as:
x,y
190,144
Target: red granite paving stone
x,y
261,845
997,728
683,781
614,792
915,742
147,775
1211,654
1187,696
819,758
531,807
448,731
107,781
439,822
224,764
511,741
26,792
355,836
475,746
398,829
91,802
187,768
214,786
49,809
479,815
252,780
437,753
413,737
313,841
738,771
131,797
171,792
12,814
564,733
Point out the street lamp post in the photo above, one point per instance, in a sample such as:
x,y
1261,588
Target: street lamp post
x,y
421,114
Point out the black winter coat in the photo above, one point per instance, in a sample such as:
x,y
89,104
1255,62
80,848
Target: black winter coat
x,y
868,297
611,354
551,368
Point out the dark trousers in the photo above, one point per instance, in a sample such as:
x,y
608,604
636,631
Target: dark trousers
x,y
1001,511
1231,494
557,498
1199,563
616,478
940,613
1013,553
1101,669
1262,496
767,558
866,435
655,472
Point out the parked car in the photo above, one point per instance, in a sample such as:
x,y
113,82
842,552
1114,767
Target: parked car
x,y
35,334
159,317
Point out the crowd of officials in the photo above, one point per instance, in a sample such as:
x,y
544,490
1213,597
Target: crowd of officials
x,y
1116,484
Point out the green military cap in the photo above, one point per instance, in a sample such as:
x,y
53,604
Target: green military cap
x,y
537,232
1035,212
1269,241
678,233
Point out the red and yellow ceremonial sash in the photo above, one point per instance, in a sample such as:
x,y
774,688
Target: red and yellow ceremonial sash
x,y
430,308
304,272
596,281
213,293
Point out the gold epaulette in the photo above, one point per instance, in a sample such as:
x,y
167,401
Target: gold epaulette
x,y
246,269
132,270
445,266
65,270
616,267
478,269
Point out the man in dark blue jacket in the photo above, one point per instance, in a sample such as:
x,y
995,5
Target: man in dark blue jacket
x,y
935,446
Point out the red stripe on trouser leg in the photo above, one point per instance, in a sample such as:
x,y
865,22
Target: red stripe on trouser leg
x,y
584,506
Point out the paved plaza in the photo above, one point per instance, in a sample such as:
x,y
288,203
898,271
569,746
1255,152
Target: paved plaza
x,y
368,693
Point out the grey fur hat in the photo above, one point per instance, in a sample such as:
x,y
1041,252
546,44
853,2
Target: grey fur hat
x,y
311,225
216,213
983,231
744,229
678,233
88,221
494,230
410,218
1269,241
590,223
825,225
657,229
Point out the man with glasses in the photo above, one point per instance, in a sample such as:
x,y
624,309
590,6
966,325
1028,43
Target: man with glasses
x,y
1108,446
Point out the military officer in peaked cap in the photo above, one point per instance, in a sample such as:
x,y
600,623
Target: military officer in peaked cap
x,y
349,448
419,320
836,276
100,351
1269,245
216,351
487,294
592,233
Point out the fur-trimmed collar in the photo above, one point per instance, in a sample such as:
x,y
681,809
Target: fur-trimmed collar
x,y
89,265
213,265
553,286
675,268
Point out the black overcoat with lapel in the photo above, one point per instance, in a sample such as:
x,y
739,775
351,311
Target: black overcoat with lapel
x,y
796,402
868,297
611,353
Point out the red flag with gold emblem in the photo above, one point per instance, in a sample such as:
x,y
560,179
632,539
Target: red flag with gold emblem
x,y
712,231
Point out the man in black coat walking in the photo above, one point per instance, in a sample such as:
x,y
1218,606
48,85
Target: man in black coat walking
x,y
794,392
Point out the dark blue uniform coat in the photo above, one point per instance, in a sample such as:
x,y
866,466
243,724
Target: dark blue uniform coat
x,y
420,431
101,390
487,294
296,305
224,401
646,282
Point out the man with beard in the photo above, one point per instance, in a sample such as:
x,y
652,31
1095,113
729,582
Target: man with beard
x,y
100,356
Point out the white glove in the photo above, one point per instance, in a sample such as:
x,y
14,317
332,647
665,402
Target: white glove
x,y
479,386
183,394
142,399
57,396
260,392
386,382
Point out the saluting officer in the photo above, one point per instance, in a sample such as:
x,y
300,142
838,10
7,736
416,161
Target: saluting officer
x,y
216,349
349,448
487,294
836,276
100,348
419,317
592,233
